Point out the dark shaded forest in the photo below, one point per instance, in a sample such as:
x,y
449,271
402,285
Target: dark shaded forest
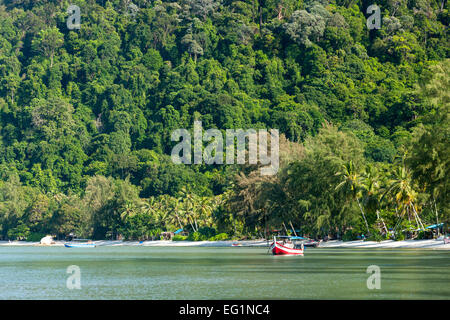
x,y
86,117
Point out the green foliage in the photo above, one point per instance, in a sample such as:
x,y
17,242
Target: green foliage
x,y
399,236
196,236
207,232
86,116
349,235
421,235
376,236
35,236
219,237
179,238
21,232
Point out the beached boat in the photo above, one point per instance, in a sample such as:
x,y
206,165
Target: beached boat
x,y
78,243
286,246
47,241
312,243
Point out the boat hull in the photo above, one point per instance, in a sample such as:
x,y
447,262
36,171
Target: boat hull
x,y
279,249
313,244
80,245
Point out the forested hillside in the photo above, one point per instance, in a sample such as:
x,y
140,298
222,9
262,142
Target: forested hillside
x,y
86,116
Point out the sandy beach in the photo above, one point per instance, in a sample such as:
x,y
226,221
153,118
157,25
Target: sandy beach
x,y
411,244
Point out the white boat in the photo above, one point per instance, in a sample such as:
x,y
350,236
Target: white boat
x,y
77,243
47,241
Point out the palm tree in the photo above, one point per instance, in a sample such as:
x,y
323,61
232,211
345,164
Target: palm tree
x,y
173,205
401,190
128,210
371,186
162,217
351,183
205,210
150,206
189,207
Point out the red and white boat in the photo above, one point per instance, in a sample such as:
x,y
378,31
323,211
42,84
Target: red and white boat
x,y
286,246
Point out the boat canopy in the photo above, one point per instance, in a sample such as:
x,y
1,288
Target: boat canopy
x,y
178,231
434,226
293,237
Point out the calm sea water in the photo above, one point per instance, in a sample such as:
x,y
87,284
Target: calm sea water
x,y
221,273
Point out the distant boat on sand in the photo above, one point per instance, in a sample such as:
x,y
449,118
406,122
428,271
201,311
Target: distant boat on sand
x,y
80,243
47,241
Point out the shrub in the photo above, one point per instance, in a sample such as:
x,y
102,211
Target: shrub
x,y
376,236
196,236
155,233
399,236
35,236
424,235
21,232
219,237
208,232
349,236
179,238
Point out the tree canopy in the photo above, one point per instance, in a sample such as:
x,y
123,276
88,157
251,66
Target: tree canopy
x,y
86,115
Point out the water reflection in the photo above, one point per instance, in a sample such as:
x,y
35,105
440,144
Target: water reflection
x,y
221,273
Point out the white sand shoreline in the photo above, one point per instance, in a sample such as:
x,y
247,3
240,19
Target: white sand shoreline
x,y
410,244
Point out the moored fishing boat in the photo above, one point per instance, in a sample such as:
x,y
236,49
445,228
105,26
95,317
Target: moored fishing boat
x,y
286,246
77,243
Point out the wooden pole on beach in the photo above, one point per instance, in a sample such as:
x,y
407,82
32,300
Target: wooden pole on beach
x,y
285,229
292,227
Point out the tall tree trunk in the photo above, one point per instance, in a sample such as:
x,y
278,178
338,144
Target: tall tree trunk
x,y
285,229
195,221
415,219
192,226
179,222
382,220
364,216
418,218
437,220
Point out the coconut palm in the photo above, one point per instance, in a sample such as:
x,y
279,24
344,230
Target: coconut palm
x,y
129,210
351,183
162,217
189,207
173,206
401,191
371,194
150,207
206,208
